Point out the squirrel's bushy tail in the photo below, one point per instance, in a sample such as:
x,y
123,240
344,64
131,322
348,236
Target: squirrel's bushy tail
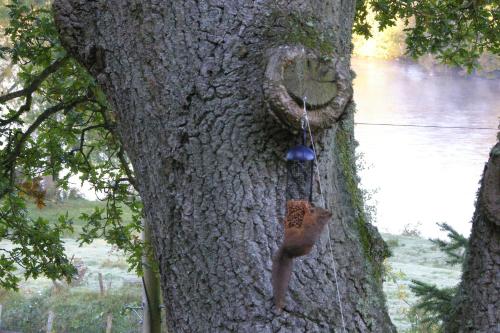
x,y
282,271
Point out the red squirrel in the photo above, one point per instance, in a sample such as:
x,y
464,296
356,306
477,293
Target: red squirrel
x,y
298,241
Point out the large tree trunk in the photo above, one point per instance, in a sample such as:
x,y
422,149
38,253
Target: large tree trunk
x,y
206,126
477,304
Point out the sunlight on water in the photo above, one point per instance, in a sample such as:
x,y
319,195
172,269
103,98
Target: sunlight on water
x,y
423,175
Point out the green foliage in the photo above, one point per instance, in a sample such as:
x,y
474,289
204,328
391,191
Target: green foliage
x,y
361,25
375,249
392,243
386,44
390,274
458,32
40,249
54,122
413,259
434,304
417,326
455,248
74,311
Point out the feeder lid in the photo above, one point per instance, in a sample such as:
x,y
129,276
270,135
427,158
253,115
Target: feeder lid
x,y
300,153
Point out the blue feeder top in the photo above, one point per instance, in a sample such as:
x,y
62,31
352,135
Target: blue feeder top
x,y
300,153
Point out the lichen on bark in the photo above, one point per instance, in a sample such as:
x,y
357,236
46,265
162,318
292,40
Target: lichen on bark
x,y
304,30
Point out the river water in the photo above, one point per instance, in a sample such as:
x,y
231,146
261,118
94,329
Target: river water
x,y
422,175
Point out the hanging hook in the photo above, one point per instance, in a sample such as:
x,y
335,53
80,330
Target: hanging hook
x,y
303,122
304,115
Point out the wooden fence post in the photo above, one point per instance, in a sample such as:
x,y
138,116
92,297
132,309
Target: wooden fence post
x,y
109,323
0,316
50,321
102,288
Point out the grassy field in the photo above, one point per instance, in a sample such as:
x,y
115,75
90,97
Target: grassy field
x,y
78,308
82,305
74,208
414,258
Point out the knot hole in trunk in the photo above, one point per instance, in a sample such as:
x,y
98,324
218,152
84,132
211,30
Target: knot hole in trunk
x,y
295,75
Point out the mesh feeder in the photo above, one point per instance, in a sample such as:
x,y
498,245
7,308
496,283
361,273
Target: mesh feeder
x,y
299,181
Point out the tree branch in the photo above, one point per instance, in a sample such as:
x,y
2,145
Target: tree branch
x,y
45,114
85,130
125,165
26,106
9,162
36,82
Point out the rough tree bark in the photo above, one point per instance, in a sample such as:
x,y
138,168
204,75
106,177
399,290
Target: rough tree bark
x,y
477,304
196,106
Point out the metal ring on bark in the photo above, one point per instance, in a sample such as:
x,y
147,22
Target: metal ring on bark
x,y
294,72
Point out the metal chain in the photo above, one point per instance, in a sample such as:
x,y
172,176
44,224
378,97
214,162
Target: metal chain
x,y
327,225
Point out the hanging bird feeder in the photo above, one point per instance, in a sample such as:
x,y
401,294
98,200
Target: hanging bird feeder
x,y
293,73
299,181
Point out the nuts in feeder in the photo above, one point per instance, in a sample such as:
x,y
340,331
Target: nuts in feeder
x,y
295,211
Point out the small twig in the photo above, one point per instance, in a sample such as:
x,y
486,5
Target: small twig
x,y
41,118
126,168
36,82
26,107
82,136
10,161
